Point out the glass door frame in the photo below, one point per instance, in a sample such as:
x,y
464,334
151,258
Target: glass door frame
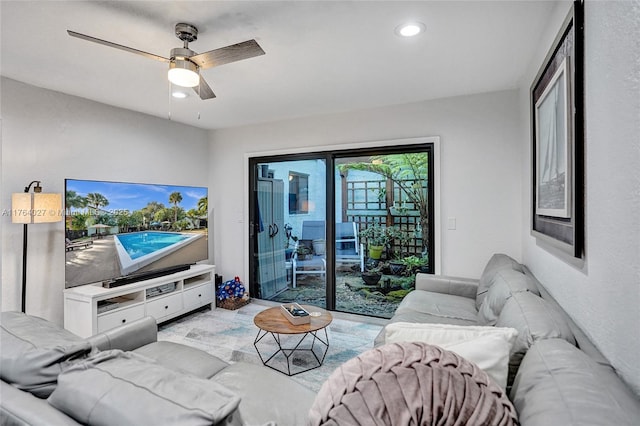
x,y
429,145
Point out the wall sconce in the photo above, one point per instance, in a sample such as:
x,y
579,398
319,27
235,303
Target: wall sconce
x,y
36,207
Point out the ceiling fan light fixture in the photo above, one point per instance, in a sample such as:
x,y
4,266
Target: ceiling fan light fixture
x,y
178,94
410,29
183,73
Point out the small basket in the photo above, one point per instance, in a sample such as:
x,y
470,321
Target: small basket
x,y
232,303
231,294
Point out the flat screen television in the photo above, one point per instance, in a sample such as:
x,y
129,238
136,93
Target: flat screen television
x,y
118,232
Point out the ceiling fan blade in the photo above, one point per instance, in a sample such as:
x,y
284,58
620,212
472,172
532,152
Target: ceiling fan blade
x,y
224,55
117,46
203,90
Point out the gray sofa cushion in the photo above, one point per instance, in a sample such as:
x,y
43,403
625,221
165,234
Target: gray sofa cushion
x,y
35,351
497,262
426,318
124,388
505,282
446,306
262,390
427,307
558,384
185,358
535,319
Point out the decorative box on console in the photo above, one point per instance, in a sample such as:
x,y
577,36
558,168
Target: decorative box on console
x,y
295,314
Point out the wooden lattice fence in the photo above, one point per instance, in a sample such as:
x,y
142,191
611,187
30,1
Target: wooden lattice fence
x,y
366,202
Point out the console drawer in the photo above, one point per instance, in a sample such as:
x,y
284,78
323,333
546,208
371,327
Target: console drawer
x,y
164,306
198,296
114,319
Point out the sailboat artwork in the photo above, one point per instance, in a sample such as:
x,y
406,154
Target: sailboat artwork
x,y
553,189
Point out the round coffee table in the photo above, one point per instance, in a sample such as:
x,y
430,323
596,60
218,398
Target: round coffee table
x,y
273,322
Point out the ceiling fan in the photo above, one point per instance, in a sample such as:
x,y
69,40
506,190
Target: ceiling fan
x,y
184,63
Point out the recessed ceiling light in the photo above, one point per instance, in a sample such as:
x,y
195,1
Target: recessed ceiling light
x,y
410,29
179,95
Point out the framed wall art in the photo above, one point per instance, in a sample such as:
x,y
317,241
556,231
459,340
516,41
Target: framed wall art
x,y
557,166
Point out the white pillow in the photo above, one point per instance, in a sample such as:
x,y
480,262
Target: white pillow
x,y
487,347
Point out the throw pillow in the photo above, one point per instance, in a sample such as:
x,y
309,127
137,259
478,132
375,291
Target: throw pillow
x,y
123,388
35,351
497,263
410,384
505,283
487,347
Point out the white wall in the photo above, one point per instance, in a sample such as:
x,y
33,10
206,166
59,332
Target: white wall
x,y
602,295
49,136
480,177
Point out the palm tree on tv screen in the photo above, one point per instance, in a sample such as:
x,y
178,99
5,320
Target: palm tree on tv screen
x,y
175,198
74,200
96,200
150,210
203,206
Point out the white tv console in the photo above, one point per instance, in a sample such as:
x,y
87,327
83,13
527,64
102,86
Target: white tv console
x,y
91,309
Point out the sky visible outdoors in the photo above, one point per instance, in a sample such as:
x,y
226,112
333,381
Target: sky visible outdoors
x,y
135,196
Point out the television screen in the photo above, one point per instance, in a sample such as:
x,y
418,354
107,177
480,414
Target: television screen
x,y
115,229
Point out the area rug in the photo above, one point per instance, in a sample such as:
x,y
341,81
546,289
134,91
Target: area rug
x,y
229,335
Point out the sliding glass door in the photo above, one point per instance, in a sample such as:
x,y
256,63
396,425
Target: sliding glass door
x,y
343,230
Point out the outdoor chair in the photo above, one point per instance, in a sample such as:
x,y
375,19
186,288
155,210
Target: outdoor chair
x,y
348,248
70,245
315,264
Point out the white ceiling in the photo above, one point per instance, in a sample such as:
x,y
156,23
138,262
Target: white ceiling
x,y
321,56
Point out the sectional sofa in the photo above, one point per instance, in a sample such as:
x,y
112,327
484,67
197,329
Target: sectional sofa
x,y
126,376
556,375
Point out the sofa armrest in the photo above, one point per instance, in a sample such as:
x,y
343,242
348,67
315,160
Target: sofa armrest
x,y
20,408
465,287
127,337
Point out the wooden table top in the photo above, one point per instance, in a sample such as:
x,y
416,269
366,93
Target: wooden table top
x,y
274,321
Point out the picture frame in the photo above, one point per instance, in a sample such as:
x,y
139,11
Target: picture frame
x,y
557,159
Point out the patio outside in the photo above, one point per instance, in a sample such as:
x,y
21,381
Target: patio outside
x,y
386,197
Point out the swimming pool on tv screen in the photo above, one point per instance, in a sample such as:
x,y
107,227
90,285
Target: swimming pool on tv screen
x,y
140,244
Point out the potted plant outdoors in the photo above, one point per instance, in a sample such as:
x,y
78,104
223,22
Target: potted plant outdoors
x,y
377,239
415,264
371,276
397,267
400,239
302,252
